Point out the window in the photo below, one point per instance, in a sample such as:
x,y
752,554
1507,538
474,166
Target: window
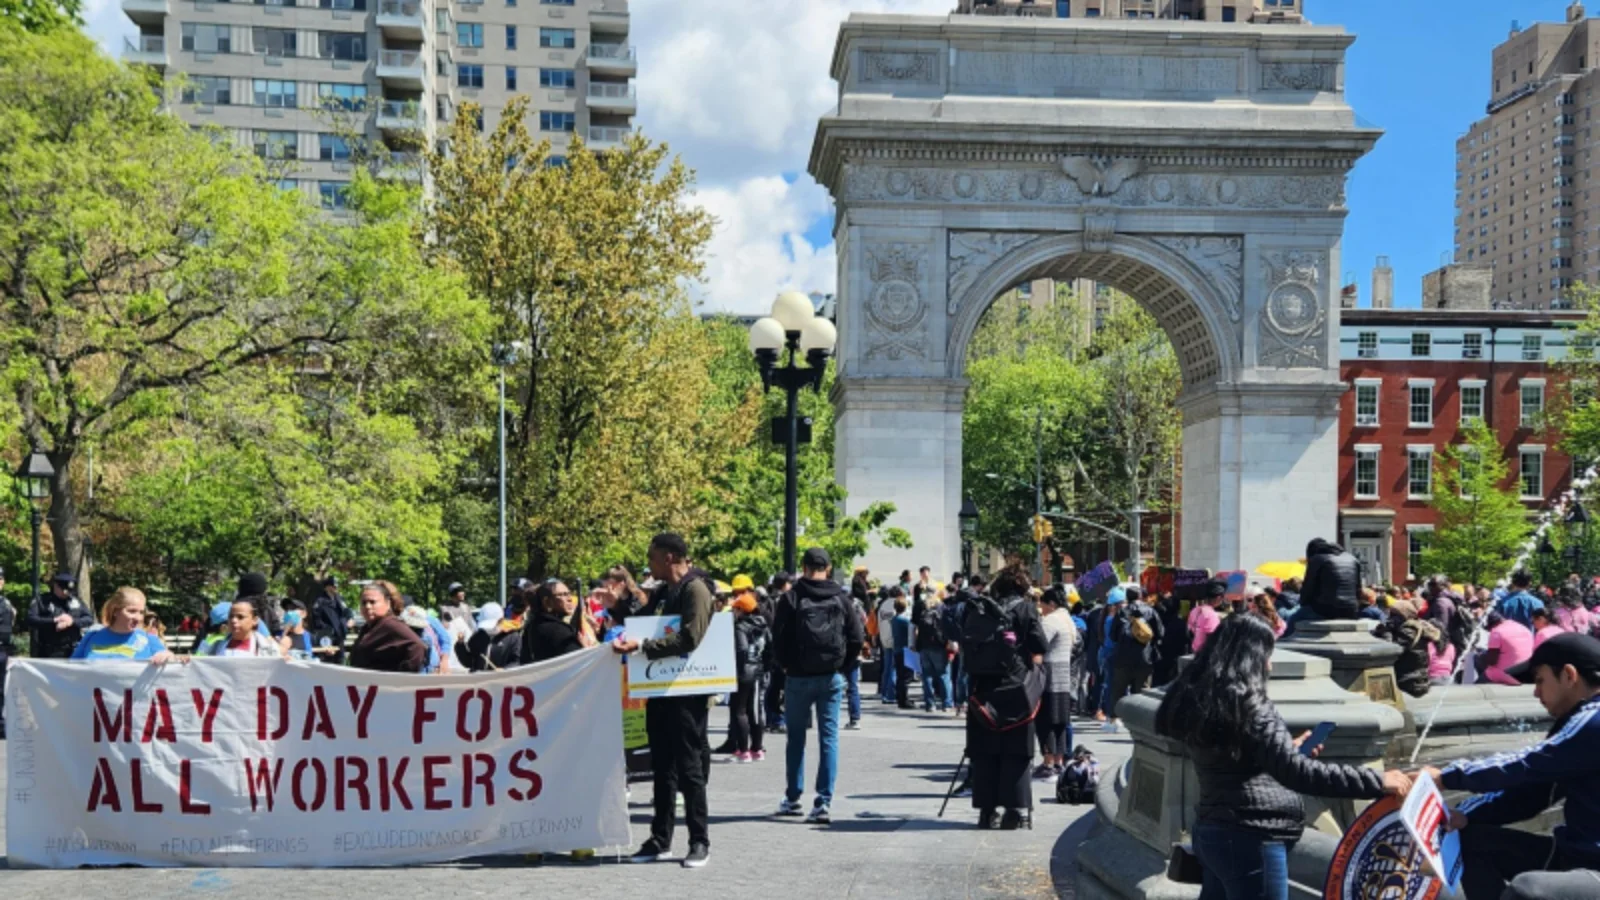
x,y
1421,404
558,121
511,37
1417,537
1367,345
339,45
278,94
207,38
332,147
1421,344
511,78
558,78
343,4
275,2
352,97
556,2
1025,290
1367,402
1531,469
1472,346
1419,472
288,184
334,194
469,76
469,34
1532,401
559,38
273,41
207,89
1063,9
1471,400
277,144
555,162
1366,473
1230,14
1532,348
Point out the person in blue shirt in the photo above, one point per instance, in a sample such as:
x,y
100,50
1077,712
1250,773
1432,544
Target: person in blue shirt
x,y
1518,606
123,637
1502,862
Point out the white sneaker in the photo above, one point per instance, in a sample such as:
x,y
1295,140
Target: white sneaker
x,y
790,808
818,815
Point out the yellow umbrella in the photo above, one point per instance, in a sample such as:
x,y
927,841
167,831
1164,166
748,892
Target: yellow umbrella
x,y
1283,571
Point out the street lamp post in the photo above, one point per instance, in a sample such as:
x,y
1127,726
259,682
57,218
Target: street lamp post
x,y
505,356
1577,530
1547,551
1135,558
968,517
34,476
793,326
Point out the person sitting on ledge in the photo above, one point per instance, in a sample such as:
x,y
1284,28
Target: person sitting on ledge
x,y
1333,583
1502,862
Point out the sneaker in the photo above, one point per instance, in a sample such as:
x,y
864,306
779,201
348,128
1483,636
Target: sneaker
x,y
650,852
1044,771
775,729
759,755
1099,716
742,757
853,725
818,815
699,855
790,808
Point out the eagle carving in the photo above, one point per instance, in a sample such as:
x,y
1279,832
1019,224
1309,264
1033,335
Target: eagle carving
x,y
1100,176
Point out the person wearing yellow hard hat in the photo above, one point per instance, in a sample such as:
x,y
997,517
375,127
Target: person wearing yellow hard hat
x,y
728,600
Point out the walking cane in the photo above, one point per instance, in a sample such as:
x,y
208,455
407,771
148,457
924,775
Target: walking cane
x,y
952,789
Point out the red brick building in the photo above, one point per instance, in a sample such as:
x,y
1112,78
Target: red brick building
x,y
1414,375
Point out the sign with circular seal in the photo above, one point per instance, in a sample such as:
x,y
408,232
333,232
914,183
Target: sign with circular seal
x,y
1378,860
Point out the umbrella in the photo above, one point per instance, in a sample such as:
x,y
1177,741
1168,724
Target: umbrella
x,y
1283,571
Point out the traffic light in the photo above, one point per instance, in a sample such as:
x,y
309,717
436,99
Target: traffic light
x,y
1042,529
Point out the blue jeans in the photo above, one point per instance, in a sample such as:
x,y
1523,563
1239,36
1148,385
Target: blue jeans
x,y
1240,864
1103,689
853,694
801,694
958,680
935,678
886,680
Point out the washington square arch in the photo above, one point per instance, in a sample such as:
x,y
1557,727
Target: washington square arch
x,y
1197,167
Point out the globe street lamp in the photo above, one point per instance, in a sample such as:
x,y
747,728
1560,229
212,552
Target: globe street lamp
x,y
34,477
794,326
505,356
969,530
1577,528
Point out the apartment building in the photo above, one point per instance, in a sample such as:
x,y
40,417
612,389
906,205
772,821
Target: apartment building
x,y
288,77
1527,198
1263,11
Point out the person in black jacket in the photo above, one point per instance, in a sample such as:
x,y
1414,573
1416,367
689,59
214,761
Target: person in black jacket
x,y
330,621
58,619
750,642
1002,637
1333,583
1251,771
1174,640
556,627
1133,662
817,637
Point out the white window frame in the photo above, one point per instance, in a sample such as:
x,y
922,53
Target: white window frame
x,y
1412,385
1522,401
1532,347
1412,530
1412,452
1465,385
1426,343
1523,452
1376,384
1362,350
1375,453
1472,351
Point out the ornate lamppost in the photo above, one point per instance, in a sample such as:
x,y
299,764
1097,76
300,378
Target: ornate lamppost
x,y
34,477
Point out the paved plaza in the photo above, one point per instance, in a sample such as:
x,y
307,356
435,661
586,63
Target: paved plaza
x,y
885,841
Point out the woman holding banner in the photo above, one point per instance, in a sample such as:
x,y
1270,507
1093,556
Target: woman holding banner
x,y
123,636
244,637
386,644
558,627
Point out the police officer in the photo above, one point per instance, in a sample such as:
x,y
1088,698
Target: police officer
x,y
58,619
8,621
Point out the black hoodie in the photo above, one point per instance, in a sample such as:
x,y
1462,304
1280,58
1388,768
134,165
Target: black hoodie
x,y
1333,581
794,632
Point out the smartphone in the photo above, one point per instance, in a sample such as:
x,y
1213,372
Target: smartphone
x,y
1319,736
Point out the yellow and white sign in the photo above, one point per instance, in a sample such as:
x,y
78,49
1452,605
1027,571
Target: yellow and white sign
x,y
710,669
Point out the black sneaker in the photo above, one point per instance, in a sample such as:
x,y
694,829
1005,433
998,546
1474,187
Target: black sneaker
x,y
699,855
650,852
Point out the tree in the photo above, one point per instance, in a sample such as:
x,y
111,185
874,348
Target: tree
x,y
40,16
1482,524
140,260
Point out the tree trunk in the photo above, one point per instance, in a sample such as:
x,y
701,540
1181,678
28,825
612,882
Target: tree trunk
x,y
66,528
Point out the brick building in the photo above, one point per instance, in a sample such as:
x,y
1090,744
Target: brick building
x,y
1414,376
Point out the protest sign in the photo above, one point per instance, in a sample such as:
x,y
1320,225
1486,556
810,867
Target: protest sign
x,y
708,670
1378,858
1095,584
262,762
1425,815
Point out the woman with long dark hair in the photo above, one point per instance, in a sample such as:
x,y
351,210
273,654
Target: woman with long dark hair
x,y
1003,642
1251,771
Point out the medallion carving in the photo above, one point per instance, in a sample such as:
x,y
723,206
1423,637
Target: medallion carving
x,y
895,310
1292,332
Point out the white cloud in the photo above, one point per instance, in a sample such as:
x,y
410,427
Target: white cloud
x,y
758,247
105,22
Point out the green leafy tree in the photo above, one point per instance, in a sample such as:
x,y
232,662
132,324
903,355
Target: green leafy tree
x,y
1482,524
40,16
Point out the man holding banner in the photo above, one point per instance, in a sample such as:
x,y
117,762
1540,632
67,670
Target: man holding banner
x,y
676,725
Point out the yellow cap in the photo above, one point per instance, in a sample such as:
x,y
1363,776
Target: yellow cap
x,y
743,583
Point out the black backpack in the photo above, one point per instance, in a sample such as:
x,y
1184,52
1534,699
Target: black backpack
x,y
819,633
984,647
930,624
506,651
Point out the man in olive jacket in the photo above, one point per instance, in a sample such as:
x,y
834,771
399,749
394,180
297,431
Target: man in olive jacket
x,y
676,726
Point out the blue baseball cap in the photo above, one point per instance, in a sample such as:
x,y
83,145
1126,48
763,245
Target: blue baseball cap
x,y
219,613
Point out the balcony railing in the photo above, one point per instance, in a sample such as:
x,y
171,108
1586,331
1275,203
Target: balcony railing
x,y
402,110
410,9
605,91
146,44
608,134
619,52
400,59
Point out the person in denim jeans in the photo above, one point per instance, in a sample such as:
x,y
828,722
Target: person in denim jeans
x,y
817,639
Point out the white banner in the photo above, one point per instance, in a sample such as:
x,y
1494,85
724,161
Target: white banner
x,y
710,669
261,762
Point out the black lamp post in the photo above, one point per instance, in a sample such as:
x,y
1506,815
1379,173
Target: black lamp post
x,y
969,530
793,326
1547,551
1577,530
34,478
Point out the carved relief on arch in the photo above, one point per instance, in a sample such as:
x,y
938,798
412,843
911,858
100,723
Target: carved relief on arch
x,y
896,311
1292,331
1221,259
973,252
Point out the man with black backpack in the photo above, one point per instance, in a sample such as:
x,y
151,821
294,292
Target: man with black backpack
x,y
817,638
1137,632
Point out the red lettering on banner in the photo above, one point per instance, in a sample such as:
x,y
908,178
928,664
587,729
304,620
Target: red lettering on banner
x,y
362,706
523,709
390,782
162,710
317,719
186,801
484,721
104,788
297,784
535,783
421,713
207,711
107,725
140,805
280,695
354,781
263,781
469,778
432,783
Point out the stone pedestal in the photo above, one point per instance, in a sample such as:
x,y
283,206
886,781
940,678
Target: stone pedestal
x,y
1360,662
